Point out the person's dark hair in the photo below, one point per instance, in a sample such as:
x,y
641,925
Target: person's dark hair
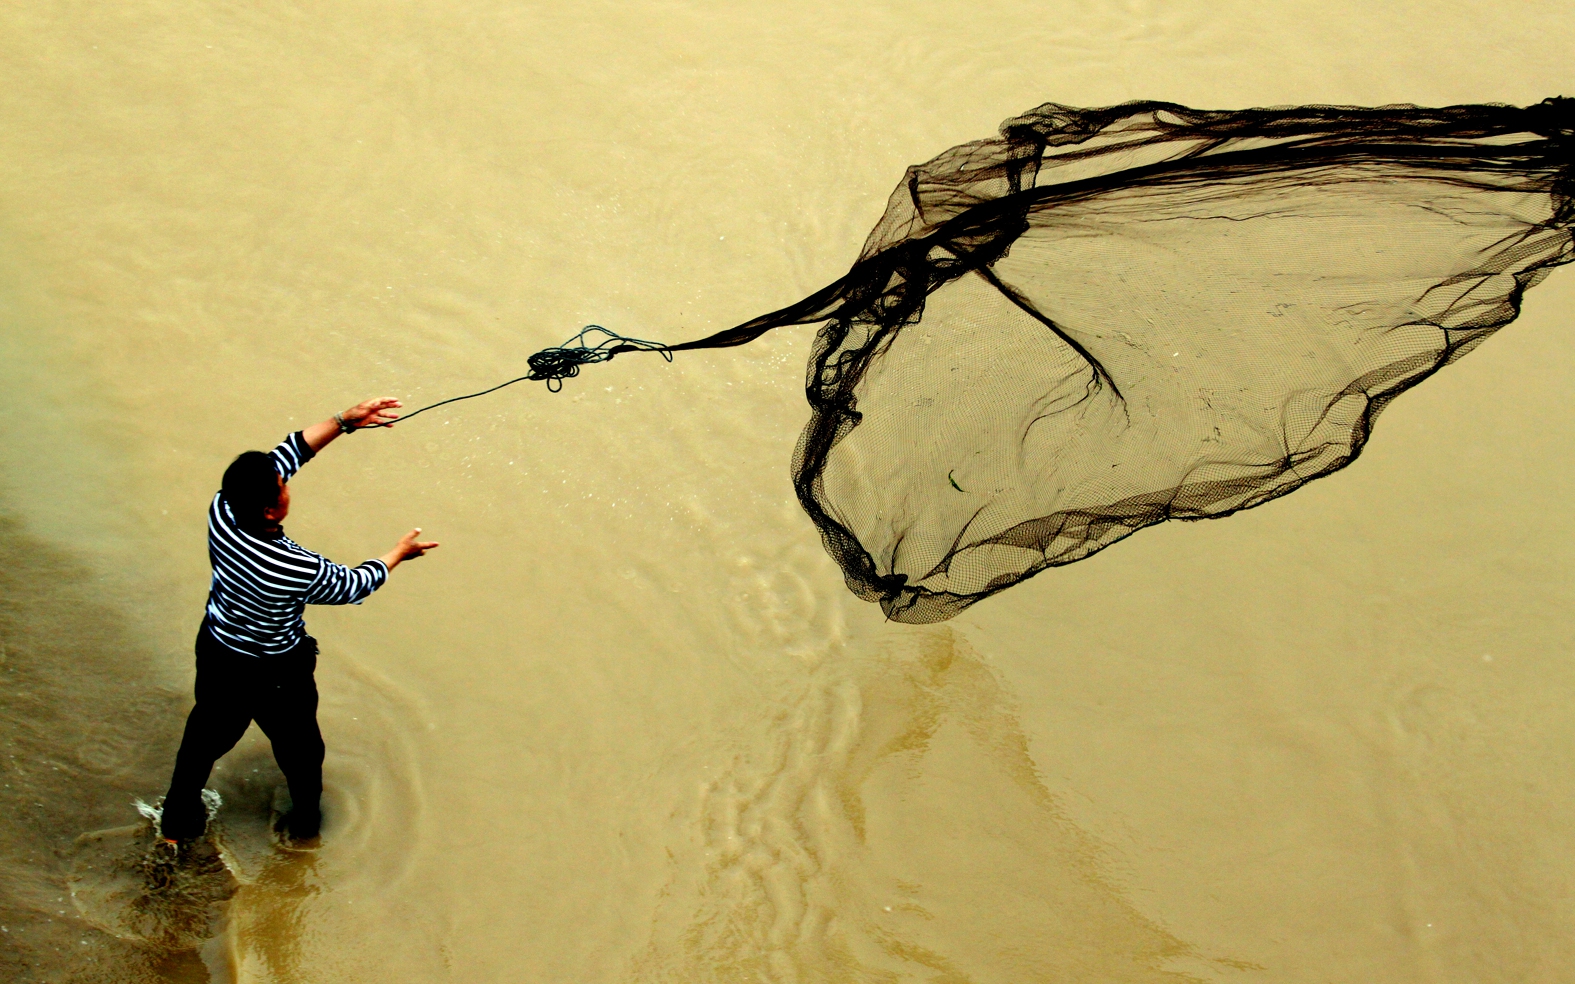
x,y
251,486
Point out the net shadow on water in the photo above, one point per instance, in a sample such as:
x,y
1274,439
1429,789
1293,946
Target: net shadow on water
x,y
897,828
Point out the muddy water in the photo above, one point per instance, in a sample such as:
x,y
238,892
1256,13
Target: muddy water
x,y
627,724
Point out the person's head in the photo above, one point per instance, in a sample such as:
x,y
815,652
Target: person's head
x,y
258,497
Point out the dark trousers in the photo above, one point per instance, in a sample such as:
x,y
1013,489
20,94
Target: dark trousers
x,y
233,690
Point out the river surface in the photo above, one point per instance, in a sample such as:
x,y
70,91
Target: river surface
x,y
627,724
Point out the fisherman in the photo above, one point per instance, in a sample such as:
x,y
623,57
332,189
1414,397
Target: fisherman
x,y
254,658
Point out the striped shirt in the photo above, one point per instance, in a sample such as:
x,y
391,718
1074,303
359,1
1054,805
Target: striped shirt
x,y
262,584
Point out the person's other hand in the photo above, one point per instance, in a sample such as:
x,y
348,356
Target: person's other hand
x,y
410,548
373,413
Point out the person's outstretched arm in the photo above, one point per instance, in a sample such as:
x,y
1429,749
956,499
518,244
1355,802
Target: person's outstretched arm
x,y
380,411
337,584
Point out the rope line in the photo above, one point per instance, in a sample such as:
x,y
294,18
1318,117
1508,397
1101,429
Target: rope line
x,y
553,365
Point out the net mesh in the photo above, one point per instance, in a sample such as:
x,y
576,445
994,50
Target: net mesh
x,y
1106,318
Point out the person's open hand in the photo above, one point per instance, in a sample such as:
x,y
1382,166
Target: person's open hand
x,y
380,412
413,548
408,548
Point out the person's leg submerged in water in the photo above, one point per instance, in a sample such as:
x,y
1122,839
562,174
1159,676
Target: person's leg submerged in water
x,y
233,689
220,718
287,713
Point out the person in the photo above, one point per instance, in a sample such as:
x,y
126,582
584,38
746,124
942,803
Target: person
x,y
255,661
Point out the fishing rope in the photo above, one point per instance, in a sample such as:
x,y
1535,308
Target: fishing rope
x,y
553,365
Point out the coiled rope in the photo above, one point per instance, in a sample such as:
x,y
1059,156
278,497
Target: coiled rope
x,y
553,365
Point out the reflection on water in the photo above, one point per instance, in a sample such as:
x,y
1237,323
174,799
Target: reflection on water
x,y
131,884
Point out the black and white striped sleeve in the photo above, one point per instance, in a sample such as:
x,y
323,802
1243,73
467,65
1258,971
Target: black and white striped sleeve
x,y
291,454
337,584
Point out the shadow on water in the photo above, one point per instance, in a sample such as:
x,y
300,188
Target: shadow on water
x,y
898,829
86,731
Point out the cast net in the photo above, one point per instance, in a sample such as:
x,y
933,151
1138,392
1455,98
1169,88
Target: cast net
x,y
1106,318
